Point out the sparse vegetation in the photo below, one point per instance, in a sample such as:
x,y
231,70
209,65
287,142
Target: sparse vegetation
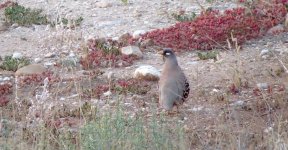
x,y
125,1
83,109
12,64
182,16
208,55
24,16
211,29
104,53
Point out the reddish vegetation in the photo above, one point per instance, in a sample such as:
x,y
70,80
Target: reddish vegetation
x,y
122,86
105,54
211,29
36,78
6,4
3,101
5,89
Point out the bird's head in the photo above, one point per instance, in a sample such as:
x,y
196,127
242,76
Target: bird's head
x,y
168,54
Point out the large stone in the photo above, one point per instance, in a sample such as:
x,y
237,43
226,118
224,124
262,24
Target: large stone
x,y
132,50
103,4
31,69
276,30
147,72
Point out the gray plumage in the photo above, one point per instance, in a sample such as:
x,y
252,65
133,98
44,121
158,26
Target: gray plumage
x,y
173,85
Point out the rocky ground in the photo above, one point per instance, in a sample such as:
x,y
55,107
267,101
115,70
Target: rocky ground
x,y
214,105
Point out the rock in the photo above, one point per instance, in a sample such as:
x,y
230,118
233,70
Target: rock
x,y
37,60
4,26
138,33
48,64
103,4
15,25
132,50
30,69
50,55
147,72
262,86
264,52
192,63
71,54
110,76
6,79
276,29
108,93
17,55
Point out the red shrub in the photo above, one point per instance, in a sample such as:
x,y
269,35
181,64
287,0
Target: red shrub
x,y
105,54
6,4
5,89
3,101
211,29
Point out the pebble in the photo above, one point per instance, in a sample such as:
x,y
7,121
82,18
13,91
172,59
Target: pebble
x,y
17,55
6,79
138,33
264,52
103,4
108,93
48,64
37,60
50,55
262,86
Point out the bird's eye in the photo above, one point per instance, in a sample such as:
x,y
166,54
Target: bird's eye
x,y
168,54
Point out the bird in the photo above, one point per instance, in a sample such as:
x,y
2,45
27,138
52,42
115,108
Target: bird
x,y
173,85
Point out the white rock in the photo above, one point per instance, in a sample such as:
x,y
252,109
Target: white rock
x,y
15,25
110,75
132,50
6,79
147,72
264,52
108,93
138,33
262,86
37,60
238,103
103,4
50,55
17,55
71,54
48,64
276,29
199,108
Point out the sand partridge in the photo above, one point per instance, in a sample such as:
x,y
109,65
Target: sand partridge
x,y
173,85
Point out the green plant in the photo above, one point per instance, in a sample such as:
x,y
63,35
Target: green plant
x,y
208,55
65,21
119,131
184,17
12,64
125,1
24,16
